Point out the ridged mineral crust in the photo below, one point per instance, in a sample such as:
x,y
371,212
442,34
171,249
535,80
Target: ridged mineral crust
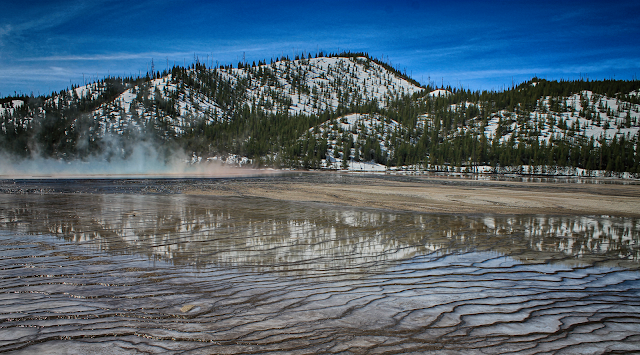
x,y
117,268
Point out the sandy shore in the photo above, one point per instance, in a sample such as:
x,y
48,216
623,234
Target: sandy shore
x,y
450,195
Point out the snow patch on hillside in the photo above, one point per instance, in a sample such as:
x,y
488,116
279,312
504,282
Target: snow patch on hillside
x,y
229,159
8,108
363,140
440,93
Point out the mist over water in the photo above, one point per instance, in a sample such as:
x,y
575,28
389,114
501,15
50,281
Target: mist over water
x,y
118,158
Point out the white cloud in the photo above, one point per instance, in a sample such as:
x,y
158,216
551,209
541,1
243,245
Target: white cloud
x,y
101,57
35,74
4,32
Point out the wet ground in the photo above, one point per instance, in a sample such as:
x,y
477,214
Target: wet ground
x,y
135,266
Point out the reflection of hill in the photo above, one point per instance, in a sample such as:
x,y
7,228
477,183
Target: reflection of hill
x,y
276,235
596,238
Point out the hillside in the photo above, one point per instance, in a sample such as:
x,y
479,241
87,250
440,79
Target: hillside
x,y
526,130
185,98
333,112
187,101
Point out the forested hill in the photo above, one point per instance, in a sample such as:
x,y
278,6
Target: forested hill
x,y
334,111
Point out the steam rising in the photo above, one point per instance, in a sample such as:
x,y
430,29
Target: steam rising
x,y
142,158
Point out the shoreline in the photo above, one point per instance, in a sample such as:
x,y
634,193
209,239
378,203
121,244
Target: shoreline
x,y
433,193
448,195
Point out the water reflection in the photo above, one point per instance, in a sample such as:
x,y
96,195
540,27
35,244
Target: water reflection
x,y
79,274
308,238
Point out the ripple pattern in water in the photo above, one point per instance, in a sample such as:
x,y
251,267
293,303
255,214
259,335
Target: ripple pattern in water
x,y
185,274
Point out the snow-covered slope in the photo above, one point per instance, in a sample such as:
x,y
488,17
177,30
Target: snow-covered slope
x,y
305,86
584,115
439,93
363,140
10,106
9,121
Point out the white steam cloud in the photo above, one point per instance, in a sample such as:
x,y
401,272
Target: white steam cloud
x,y
142,159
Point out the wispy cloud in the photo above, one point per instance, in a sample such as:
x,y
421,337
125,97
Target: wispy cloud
x,y
39,73
222,52
105,57
439,40
4,31
46,17
595,68
572,15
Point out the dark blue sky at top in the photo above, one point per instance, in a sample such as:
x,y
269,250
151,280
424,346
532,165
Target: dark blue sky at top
x,y
48,45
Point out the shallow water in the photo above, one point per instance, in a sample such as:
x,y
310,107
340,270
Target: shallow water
x,y
127,273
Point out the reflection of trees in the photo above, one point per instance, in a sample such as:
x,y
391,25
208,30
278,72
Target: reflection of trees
x,y
597,238
251,232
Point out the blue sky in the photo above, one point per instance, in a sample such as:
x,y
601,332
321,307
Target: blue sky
x,y
47,45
